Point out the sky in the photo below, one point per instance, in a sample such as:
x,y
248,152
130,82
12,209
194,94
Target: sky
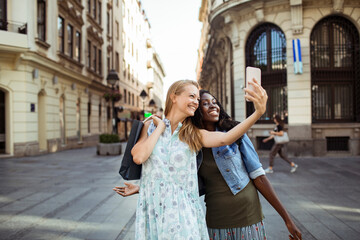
x,y
175,31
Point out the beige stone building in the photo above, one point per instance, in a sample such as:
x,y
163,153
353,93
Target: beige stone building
x,y
140,63
155,82
55,57
308,52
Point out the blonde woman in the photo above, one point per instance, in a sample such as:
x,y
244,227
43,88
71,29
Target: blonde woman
x,y
168,203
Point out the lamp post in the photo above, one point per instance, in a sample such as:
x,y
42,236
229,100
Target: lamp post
x,y
152,105
143,95
112,78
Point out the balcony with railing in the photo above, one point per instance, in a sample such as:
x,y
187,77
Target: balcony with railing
x,y
13,26
13,34
217,7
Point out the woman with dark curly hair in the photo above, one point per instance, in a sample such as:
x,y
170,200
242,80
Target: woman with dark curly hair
x,y
233,209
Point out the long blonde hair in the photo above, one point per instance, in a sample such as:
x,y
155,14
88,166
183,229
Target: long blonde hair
x,y
188,133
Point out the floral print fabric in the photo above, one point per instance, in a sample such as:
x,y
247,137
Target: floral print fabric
x,y
253,232
168,204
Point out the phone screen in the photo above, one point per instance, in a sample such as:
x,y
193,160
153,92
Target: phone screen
x,y
252,73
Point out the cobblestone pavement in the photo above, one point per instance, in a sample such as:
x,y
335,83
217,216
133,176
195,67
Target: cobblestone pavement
x,y
322,196
68,195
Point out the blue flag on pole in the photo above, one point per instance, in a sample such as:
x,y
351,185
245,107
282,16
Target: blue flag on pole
x,y
298,66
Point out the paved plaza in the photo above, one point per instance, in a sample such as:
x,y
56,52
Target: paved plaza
x,y
68,195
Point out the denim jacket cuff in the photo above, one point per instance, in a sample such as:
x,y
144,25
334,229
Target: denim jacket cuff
x,y
256,173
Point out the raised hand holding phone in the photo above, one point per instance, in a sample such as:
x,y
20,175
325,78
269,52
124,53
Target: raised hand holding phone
x,y
251,74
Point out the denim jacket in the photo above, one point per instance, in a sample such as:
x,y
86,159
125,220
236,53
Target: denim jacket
x,y
236,167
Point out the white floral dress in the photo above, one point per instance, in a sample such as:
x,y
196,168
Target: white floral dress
x,y
168,204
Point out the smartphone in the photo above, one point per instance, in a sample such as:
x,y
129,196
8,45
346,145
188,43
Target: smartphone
x,y
251,73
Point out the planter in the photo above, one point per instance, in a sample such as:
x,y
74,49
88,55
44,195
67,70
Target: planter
x,y
108,149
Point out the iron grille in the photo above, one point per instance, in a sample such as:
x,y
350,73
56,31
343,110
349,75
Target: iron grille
x,y
266,49
337,143
334,50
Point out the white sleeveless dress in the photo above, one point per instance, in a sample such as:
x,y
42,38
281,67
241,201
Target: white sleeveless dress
x,y
168,204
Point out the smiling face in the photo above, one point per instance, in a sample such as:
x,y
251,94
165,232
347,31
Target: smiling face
x,y
188,100
209,108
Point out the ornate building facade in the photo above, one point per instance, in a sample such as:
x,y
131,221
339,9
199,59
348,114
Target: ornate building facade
x,y
309,55
55,57
138,66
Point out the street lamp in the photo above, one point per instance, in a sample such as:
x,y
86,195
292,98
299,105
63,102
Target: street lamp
x,y
143,95
152,105
112,78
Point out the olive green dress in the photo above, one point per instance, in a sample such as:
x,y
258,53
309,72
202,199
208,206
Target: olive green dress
x,y
227,213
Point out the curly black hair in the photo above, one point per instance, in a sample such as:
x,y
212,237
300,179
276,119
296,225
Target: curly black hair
x,y
225,122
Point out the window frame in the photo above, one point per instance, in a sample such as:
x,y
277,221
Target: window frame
x,y
108,23
3,20
117,30
273,75
94,59
89,59
99,12
78,45
117,62
99,61
61,39
41,20
70,40
94,9
327,76
124,67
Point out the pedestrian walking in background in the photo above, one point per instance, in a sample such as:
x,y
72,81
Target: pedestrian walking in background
x,y
278,147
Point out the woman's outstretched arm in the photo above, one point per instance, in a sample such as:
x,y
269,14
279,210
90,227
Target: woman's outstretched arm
x,y
265,188
216,139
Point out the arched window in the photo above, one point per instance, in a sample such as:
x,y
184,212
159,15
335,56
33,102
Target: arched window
x,y
266,49
335,66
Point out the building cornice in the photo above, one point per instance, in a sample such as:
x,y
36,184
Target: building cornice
x,y
71,13
12,49
93,23
203,11
51,65
95,35
99,86
224,7
159,63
